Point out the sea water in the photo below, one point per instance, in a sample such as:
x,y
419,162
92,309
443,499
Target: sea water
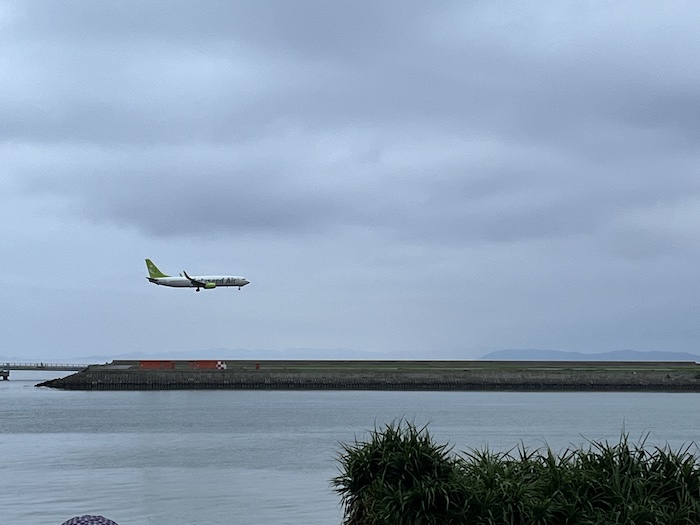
x,y
252,457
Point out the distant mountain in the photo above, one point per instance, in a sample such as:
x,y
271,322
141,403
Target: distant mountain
x,y
533,354
235,353
219,353
529,354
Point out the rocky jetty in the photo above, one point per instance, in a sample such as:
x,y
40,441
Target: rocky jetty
x,y
386,375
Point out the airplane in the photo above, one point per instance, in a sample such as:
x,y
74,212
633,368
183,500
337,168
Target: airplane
x,y
197,281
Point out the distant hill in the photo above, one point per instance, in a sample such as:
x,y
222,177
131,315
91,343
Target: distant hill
x,y
533,354
238,353
528,354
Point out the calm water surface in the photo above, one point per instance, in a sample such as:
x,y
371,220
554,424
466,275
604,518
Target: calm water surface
x,y
249,457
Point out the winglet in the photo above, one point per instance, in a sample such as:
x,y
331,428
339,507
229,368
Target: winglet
x,y
153,270
195,281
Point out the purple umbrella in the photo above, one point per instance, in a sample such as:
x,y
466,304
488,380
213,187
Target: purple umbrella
x,y
89,520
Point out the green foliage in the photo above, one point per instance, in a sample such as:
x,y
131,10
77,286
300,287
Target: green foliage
x,y
399,476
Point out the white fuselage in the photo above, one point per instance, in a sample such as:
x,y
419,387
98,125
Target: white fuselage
x,y
201,281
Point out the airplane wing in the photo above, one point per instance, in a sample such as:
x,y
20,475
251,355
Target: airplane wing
x,y
194,281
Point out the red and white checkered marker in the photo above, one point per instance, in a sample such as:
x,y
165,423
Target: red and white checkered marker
x,y
221,365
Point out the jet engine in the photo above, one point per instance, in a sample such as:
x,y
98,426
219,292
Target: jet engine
x,y
209,286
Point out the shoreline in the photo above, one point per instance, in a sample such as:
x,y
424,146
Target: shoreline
x,y
639,376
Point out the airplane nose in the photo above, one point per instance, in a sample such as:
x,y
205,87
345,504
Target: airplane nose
x,y
244,282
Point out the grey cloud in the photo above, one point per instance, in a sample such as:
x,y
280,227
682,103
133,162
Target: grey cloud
x,y
281,185
145,74
538,163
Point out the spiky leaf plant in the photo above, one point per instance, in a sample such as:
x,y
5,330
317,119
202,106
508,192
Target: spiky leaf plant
x,y
399,476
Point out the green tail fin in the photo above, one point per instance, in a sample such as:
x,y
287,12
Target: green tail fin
x,y
153,270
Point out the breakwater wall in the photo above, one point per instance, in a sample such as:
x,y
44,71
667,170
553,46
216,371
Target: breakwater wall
x,y
386,375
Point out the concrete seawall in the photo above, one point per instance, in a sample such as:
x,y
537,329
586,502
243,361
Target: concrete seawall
x,y
391,375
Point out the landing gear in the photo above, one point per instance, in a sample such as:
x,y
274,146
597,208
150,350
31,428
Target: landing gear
x,y
197,290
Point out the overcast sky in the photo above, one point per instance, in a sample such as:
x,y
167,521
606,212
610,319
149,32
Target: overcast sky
x,y
396,178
